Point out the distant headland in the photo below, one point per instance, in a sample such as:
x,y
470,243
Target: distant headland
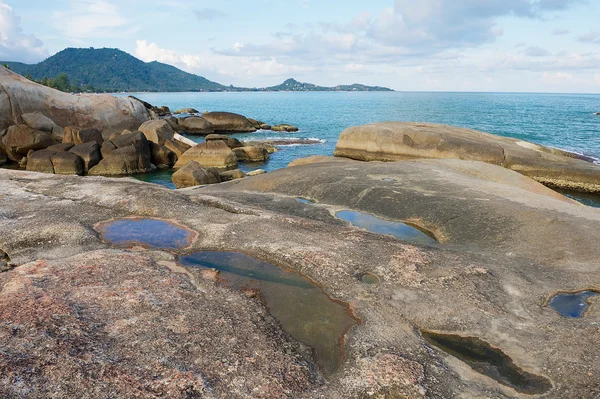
x,y
113,70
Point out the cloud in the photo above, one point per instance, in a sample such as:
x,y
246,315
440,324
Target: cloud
x,y
535,51
592,37
91,19
14,44
209,14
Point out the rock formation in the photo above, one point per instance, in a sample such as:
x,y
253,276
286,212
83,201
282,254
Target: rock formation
x,y
215,154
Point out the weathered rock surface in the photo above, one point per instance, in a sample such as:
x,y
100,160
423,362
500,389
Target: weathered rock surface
x,y
161,156
228,175
52,161
256,172
20,139
394,141
231,142
196,125
229,122
79,136
39,121
251,154
284,127
104,112
82,319
193,174
89,153
177,147
215,154
259,124
314,159
124,155
157,131
186,111
61,147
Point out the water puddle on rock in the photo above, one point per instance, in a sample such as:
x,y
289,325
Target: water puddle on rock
x,y
303,310
399,230
572,305
368,278
492,362
304,200
153,233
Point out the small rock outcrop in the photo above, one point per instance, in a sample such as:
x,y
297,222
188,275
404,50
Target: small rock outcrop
x,y
214,154
124,155
157,131
251,154
228,122
231,142
20,139
195,125
194,174
256,172
284,127
234,174
393,141
177,147
79,136
185,111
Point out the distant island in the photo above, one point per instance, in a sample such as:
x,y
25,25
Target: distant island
x,y
113,70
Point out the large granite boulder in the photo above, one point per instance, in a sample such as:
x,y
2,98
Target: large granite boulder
x,y
195,125
161,156
193,174
251,154
393,141
19,96
78,136
20,139
157,131
124,155
214,154
58,162
90,154
228,122
39,121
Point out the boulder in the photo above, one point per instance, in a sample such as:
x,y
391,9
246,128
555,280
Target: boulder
x,y
157,131
58,133
20,96
57,162
21,139
229,122
193,174
177,147
284,127
195,125
39,121
234,174
256,172
251,154
161,156
186,111
89,153
214,154
259,124
61,147
393,141
173,122
125,155
79,136
231,142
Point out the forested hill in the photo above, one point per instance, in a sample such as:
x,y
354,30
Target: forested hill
x,y
113,70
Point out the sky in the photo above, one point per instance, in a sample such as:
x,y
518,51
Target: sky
x,y
425,45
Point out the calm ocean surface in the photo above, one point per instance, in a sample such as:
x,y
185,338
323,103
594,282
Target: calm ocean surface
x,y
566,121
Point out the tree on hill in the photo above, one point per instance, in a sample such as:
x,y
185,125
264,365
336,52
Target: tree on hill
x,y
62,83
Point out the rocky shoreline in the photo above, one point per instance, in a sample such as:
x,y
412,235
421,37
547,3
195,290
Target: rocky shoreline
x,y
467,314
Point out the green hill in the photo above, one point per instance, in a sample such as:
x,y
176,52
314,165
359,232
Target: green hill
x,y
114,70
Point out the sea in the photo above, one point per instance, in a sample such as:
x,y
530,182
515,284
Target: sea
x,y
565,121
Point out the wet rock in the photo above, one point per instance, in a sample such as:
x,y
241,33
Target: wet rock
x,y
186,111
230,141
284,128
161,156
228,175
20,96
229,122
193,174
89,153
251,154
392,141
196,125
214,154
125,155
20,139
157,131
79,136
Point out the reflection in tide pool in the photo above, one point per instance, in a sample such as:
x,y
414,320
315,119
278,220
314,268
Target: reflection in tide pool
x,y
572,305
304,311
150,232
399,230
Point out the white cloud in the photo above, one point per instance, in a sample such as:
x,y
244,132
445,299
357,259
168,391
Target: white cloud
x,y
90,19
14,44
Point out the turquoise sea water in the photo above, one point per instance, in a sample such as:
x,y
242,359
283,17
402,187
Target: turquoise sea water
x,y
566,121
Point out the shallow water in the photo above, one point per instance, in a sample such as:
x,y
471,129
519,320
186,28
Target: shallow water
x,y
374,224
588,199
304,201
494,363
572,305
304,311
148,232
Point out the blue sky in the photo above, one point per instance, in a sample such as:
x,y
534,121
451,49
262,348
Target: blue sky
x,y
447,45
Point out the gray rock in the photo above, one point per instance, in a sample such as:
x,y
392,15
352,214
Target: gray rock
x,y
21,139
228,122
157,131
195,125
79,136
89,153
